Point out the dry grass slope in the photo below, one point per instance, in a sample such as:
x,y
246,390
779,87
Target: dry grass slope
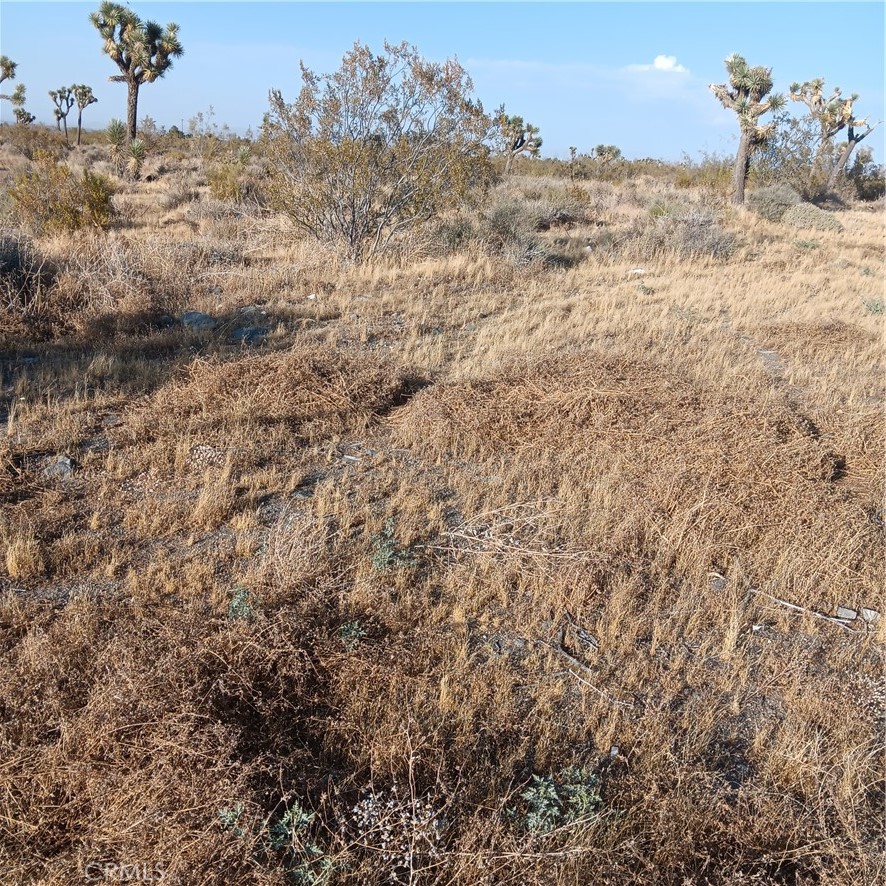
x,y
319,610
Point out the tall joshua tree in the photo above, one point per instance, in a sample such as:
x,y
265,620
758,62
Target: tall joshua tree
x,y
745,94
142,50
517,137
84,98
833,115
63,98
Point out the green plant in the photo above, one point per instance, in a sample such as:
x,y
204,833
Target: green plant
x,y
772,202
351,633
116,135
138,150
143,51
387,553
307,862
552,802
230,819
50,197
805,215
876,306
240,607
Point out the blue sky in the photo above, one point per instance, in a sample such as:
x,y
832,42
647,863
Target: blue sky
x,y
630,74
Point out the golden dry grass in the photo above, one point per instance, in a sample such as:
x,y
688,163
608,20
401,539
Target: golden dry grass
x,y
454,524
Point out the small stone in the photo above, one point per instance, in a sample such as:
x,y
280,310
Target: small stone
x,y
638,270
716,581
61,469
614,751
871,616
249,335
197,321
846,613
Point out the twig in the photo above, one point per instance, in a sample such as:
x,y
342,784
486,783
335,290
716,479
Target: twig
x,y
812,612
586,670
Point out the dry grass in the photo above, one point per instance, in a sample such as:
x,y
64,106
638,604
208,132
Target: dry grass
x,y
457,522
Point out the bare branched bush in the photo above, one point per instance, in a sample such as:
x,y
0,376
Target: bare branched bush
x,y
383,145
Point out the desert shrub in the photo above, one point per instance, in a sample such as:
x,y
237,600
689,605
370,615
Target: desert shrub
x,y
687,233
507,229
51,198
805,215
454,234
225,182
384,145
772,202
23,272
867,177
180,192
711,172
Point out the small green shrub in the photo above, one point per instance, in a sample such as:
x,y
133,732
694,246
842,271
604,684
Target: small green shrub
x,y
387,553
51,198
351,633
772,202
240,607
876,306
805,215
552,802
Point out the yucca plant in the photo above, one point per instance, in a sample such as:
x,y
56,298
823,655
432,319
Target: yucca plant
x,y
116,133
137,152
745,94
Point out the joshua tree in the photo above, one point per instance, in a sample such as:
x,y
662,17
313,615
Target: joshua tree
x,y
7,69
84,98
18,104
63,97
833,115
517,138
142,50
745,94
607,153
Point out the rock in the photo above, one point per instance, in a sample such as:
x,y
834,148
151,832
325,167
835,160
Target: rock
x,y
846,613
638,270
716,581
871,616
197,321
249,335
60,469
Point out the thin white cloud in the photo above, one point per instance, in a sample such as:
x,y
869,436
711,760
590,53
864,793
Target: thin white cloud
x,y
666,63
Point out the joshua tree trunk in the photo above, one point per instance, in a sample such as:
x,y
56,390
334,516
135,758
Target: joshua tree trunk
x,y
131,110
79,125
508,163
742,166
842,160
65,121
